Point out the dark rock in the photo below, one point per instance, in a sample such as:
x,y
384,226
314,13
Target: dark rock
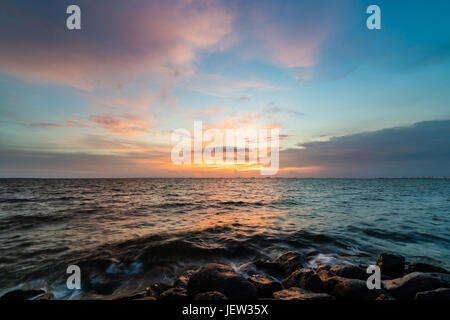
x,y
406,287
384,296
441,294
324,274
300,294
156,289
323,267
174,294
291,261
265,285
210,295
45,296
183,279
213,276
350,289
424,267
147,298
130,295
22,294
273,269
350,272
391,265
305,279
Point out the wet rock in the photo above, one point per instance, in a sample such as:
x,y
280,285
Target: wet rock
x,y
350,272
271,268
323,267
174,294
423,267
213,276
301,294
265,285
350,289
147,298
324,274
391,265
441,294
305,279
210,295
22,294
406,287
156,289
291,261
384,296
45,296
183,279
130,295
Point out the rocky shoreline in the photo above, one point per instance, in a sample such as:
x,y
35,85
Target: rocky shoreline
x,y
289,278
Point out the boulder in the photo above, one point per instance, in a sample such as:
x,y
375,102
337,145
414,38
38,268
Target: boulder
x,y
210,295
300,294
174,294
391,265
183,279
265,285
305,279
156,289
45,296
441,294
22,294
213,276
407,287
291,261
384,296
271,268
350,272
350,289
423,267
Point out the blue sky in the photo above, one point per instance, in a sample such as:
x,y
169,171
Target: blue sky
x,y
102,101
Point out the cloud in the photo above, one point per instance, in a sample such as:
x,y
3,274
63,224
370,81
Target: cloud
x,y
125,124
220,86
421,149
118,42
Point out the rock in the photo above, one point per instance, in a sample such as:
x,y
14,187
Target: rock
x,y
384,296
301,294
323,267
265,285
406,287
273,269
213,276
305,279
130,295
350,289
350,272
45,296
391,265
291,261
22,294
424,267
210,295
325,274
156,289
174,294
441,294
183,279
147,298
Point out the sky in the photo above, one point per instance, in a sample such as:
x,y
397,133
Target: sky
x,y
103,101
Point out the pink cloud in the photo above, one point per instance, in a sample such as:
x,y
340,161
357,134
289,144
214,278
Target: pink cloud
x,y
114,46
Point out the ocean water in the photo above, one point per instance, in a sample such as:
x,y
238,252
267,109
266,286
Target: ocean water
x,y
128,233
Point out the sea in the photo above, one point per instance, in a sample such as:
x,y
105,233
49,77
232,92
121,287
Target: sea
x,y
126,234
